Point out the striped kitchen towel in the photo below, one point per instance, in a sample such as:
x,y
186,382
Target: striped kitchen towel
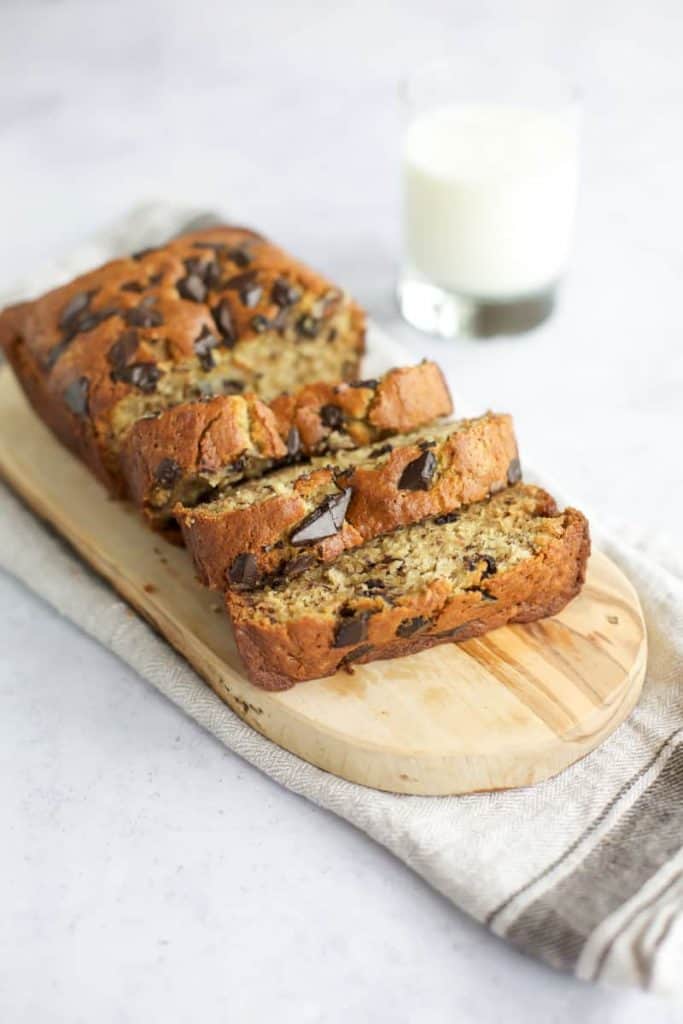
x,y
584,871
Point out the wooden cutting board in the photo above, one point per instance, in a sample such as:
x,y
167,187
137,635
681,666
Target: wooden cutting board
x,y
509,709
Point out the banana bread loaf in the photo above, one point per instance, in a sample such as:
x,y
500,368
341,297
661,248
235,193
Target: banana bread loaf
x,y
514,558
213,312
294,517
191,449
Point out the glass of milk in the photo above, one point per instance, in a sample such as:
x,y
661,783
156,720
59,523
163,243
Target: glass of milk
x,y
489,188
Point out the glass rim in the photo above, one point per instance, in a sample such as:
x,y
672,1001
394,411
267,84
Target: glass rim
x,y
449,62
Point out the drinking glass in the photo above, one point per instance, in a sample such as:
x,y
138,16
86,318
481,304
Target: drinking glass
x,y
489,169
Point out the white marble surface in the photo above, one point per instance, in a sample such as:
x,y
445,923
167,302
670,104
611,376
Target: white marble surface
x,y
120,816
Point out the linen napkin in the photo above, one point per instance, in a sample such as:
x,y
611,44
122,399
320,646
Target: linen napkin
x,y
584,871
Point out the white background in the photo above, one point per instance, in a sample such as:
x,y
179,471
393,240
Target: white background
x,y
119,816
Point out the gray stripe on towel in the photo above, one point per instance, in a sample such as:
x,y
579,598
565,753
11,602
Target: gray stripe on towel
x,y
557,924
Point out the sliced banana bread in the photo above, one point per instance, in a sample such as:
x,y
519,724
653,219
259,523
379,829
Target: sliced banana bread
x,y
191,449
513,558
294,517
213,312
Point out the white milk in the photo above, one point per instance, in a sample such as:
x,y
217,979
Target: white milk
x,y
489,195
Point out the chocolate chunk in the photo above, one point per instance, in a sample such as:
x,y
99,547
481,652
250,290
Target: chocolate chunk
x,y
123,350
324,521
259,323
369,383
203,346
410,626
332,416
155,278
356,655
76,396
56,351
192,287
247,287
296,566
514,472
209,271
223,318
425,445
240,256
107,312
284,294
75,306
351,630
132,286
449,517
233,387
308,326
83,324
418,474
383,449
374,584
141,253
141,375
167,472
472,562
243,572
293,442
143,316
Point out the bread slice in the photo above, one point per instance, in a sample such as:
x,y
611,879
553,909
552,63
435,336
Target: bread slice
x,y
294,517
213,312
513,558
190,450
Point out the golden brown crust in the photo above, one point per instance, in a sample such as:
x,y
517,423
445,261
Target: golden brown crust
x,y
402,400
150,330
192,442
277,655
202,441
474,460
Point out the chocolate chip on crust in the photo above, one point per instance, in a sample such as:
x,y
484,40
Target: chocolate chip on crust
x,y
332,416
243,572
192,287
74,307
143,315
418,474
410,626
351,630
203,345
247,287
223,318
359,652
371,383
324,521
123,350
514,472
296,566
76,396
284,294
167,472
133,286
144,376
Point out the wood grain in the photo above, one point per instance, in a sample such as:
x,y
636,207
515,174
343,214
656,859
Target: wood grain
x,y
508,709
